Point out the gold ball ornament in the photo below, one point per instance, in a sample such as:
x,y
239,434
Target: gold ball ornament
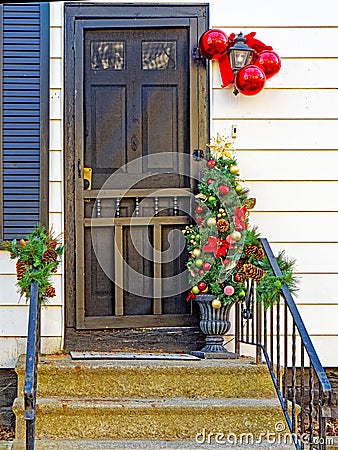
x,y
216,303
196,252
195,290
219,215
211,222
238,188
234,169
236,235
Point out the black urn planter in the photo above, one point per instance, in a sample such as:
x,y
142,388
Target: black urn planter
x,y
214,324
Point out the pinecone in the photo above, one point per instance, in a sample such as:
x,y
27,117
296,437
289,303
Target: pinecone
x,y
49,255
50,291
254,272
240,276
254,250
20,269
250,203
240,263
222,225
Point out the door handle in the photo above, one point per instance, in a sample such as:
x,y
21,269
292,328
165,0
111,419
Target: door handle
x,y
87,178
134,143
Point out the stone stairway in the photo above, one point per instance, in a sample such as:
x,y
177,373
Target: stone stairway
x,y
151,404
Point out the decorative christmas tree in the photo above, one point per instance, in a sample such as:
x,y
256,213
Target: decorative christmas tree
x,y
224,250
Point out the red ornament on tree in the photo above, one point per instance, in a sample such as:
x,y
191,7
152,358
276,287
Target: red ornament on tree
x,y
213,43
210,181
223,189
207,266
250,80
199,209
211,163
269,62
202,285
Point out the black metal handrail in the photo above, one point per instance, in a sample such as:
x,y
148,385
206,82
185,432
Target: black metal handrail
x,y
32,358
281,338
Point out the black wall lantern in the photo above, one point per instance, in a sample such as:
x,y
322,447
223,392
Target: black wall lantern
x,y
240,53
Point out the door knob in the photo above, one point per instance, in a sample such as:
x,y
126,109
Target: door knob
x,y
87,178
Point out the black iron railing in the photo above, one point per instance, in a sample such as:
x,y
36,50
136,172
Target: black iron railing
x,y
283,343
32,357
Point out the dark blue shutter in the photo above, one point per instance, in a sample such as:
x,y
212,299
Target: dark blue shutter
x,y
22,112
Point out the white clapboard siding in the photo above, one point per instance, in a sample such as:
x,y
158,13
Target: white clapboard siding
x,y
55,197
286,41
56,223
317,288
55,73
55,103
56,134
55,166
297,226
297,73
280,133
14,320
277,14
288,165
7,265
311,257
56,38
10,294
276,103
294,196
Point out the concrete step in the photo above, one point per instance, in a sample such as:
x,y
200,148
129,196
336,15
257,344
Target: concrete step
x,y
168,419
144,445
63,377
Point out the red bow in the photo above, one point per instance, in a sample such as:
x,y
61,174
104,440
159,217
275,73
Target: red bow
x,y
216,246
191,295
239,218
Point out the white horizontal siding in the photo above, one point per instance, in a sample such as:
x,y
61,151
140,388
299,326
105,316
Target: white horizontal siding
x,y
14,320
262,13
281,133
297,226
298,73
287,149
277,103
315,196
289,165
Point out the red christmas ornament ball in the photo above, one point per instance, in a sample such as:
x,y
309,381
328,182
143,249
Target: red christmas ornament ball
x,y
213,43
250,80
269,62
202,285
206,266
210,181
199,209
223,189
211,163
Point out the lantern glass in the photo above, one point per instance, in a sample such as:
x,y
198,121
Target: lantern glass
x,y
240,53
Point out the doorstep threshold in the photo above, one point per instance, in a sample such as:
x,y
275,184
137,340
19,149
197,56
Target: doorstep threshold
x,y
132,356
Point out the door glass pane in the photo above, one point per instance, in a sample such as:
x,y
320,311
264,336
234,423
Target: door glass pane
x,y
158,55
108,55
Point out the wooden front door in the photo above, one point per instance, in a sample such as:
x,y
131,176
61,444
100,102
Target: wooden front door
x,y
133,111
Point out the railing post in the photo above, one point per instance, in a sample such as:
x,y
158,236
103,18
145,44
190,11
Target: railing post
x,y
32,356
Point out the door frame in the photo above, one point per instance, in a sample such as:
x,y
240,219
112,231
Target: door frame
x,y
197,18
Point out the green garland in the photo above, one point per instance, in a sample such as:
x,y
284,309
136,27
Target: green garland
x,y
223,251
37,258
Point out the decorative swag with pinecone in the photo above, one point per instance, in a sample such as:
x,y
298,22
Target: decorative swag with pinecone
x,y
37,258
224,251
